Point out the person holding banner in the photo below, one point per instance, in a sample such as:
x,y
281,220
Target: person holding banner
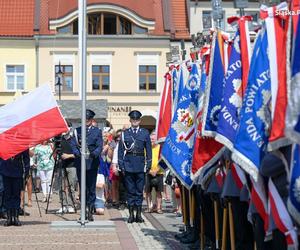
x,y
12,171
133,162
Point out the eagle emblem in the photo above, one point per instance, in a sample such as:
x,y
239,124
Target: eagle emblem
x,y
264,113
236,44
193,82
236,98
184,126
185,168
296,189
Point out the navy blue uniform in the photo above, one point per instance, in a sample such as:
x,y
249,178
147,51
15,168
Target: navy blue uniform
x,y
134,162
12,171
94,144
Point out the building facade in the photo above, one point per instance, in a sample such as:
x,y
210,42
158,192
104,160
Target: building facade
x,y
127,44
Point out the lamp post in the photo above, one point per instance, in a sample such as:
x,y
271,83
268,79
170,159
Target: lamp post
x,y
60,75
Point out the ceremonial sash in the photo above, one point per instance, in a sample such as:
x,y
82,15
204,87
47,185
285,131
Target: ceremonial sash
x,y
260,200
281,216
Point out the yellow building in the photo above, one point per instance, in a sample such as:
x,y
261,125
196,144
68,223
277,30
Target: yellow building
x,y
17,68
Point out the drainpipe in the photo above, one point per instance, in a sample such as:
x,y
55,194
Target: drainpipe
x,y
37,58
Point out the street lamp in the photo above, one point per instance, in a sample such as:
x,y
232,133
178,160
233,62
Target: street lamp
x,y
60,75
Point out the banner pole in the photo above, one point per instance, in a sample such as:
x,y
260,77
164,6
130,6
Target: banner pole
x,y
82,81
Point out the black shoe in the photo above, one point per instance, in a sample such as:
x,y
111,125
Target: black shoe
x,y
22,213
8,221
90,213
131,214
3,215
122,207
182,235
15,218
139,218
190,238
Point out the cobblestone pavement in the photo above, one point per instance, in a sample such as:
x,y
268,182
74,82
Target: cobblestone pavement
x,y
36,232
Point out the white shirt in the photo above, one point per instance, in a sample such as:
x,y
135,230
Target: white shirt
x,y
115,155
100,191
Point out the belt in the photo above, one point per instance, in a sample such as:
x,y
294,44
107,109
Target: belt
x,y
135,153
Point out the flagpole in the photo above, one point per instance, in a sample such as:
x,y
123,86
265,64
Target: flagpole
x,y
82,81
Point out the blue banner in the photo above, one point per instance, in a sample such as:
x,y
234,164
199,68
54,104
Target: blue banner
x,y
253,133
293,109
294,188
177,151
214,90
232,97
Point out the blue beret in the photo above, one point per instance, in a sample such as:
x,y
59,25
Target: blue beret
x,y
135,114
90,114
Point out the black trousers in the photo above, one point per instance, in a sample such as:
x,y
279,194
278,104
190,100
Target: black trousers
x,y
12,192
135,183
91,178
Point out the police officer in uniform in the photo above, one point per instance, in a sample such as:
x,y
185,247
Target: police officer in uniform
x,y
94,146
13,170
134,159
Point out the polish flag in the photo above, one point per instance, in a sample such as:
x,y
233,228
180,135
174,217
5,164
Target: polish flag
x,y
29,120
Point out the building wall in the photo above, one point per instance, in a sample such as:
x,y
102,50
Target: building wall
x,y
196,10
123,57
17,52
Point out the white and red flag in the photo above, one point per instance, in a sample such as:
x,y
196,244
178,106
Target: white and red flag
x,y
29,120
165,110
277,26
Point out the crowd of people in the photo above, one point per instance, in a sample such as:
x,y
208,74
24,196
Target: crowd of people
x,y
53,166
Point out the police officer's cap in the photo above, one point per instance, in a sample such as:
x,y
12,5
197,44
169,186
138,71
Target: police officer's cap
x,y
90,114
135,114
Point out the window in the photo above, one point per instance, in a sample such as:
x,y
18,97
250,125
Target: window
x,y
139,30
147,77
100,76
67,77
125,26
206,19
103,23
15,77
110,24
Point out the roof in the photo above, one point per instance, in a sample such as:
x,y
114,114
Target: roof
x,y
16,17
28,17
179,17
60,8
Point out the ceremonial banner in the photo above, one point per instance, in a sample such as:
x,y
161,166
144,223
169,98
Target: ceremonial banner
x,y
214,88
232,97
281,217
177,150
165,111
293,108
252,136
175,84
276,25
294,187
206,150
29,120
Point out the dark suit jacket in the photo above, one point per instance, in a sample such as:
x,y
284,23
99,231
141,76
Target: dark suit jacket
x,y
135,160
15,166
94,144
